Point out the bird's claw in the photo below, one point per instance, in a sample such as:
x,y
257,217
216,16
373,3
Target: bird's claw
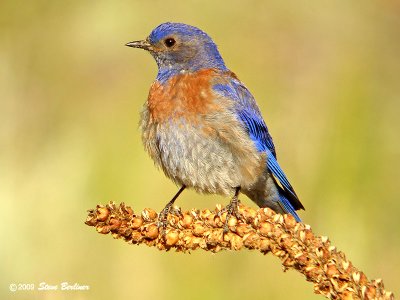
x,y
163,216
231,210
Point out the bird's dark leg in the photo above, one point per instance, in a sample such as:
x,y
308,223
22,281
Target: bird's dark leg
x,y
163,215
231,209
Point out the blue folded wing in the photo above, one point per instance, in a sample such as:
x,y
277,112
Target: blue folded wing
x,y
251,118
249,113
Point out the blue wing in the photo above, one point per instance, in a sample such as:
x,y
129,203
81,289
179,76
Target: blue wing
x,y
249,114
251,118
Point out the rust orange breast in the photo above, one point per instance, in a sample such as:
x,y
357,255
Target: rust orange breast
x,y
183,96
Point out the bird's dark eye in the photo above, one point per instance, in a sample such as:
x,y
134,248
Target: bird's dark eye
x,y
169,42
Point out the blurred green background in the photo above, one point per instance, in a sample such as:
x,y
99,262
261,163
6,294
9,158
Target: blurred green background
x,y
325,74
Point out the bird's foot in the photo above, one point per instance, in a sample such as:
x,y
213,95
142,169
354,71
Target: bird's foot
x,y
231,210
163,216
168,209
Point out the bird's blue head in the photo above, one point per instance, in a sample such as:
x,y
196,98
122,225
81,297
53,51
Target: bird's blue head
x,y
179,48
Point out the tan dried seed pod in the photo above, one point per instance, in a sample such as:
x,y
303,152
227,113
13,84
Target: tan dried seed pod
x,y
136,222
102,213
151,231
187,221
149,214
198,229
266,228
171,238
232,221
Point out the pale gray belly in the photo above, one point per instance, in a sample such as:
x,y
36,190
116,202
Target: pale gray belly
x,y
191,158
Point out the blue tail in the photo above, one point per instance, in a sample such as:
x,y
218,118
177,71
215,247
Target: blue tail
x,y
285,204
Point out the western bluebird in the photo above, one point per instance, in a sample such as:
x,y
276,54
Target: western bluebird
x,y
203,128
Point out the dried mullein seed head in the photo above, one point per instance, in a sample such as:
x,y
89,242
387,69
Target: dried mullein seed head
x,y
293,243
102,213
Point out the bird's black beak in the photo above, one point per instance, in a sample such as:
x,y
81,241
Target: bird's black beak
x,y
144,44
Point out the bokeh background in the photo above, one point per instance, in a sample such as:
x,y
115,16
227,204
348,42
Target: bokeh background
x,y
325,74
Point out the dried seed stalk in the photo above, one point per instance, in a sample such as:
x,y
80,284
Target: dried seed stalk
x,y
332,274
